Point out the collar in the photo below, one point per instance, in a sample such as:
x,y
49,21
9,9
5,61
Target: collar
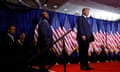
x,y
11,36
84,16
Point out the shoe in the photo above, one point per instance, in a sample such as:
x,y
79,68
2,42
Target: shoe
x,y
43,71
46,71
86,68
90,68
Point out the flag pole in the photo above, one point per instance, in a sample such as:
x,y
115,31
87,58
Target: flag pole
x,y
64,51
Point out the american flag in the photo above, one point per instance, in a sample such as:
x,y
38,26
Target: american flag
x,y
113,43
57,33
96,44
70,39
90,50
102,36
117,38
35,25
110,39
72,20
109,45
118,34
114,40
35,35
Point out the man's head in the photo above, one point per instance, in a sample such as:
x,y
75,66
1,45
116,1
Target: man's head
x,y
12,29
45,14
22,36
85,11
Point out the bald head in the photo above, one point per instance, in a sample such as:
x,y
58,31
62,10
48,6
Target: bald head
x,y
45,14
85,11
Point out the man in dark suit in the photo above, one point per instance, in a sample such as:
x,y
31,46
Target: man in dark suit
x,y
21,50
44,40
9,48
84,37
9,38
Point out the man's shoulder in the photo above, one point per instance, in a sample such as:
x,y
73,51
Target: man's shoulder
x,y
81,16
6,36
45,20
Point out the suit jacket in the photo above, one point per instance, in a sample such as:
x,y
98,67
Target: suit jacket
x,y
8,42
9,52
84,28
44,34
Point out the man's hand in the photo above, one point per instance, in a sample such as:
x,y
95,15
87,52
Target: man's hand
x,y
84,37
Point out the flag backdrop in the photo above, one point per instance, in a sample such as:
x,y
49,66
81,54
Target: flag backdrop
x,y
106,33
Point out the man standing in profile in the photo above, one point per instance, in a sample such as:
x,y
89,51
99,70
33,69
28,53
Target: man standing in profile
x,y
9,38
9,48
84,37
44,40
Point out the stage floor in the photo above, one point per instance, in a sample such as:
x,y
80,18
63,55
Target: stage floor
x,y
98,67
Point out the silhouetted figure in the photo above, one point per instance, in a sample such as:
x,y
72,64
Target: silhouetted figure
x,y
44,40
21,51
9,48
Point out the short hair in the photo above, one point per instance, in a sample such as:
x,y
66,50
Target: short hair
x,y
85,9
44,12
10,25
